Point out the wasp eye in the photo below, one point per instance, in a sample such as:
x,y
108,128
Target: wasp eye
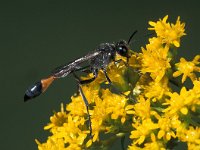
x,y
122,50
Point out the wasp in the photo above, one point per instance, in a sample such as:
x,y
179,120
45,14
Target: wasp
x,y
96,60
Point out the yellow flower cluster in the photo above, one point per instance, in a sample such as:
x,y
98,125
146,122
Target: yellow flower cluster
x,y
146,107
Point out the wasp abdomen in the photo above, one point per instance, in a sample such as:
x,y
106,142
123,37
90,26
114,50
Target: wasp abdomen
x,y
38,88
33,91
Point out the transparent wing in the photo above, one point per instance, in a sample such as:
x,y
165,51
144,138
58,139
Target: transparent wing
x,y
64,70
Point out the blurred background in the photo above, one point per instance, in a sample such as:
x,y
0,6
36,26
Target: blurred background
x,y
37,36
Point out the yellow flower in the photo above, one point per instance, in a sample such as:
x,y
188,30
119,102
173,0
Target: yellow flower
x,y
175,122
195,91
134,61
140,101
134,147
77,106
191,136
176,103
142,108
57,120
52,144
99,115
115,105
73,131
165,131
142,131
194,99
110,106
155,62
91,92
69,134
154,44
156,90
192,146
155,144
183,102
169,33
187,68
116,75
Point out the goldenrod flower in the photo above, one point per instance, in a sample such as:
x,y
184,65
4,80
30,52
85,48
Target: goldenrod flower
x,y
177,103
187,68
142,108
182,102
52,144
156,90
143,130
165,126
155,61
155,144
66,129
57,120
169,33
115,105
191,136
116,74
77,106
99,115
196,92
140,103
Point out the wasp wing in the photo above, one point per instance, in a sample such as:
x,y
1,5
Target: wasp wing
x,y
64,70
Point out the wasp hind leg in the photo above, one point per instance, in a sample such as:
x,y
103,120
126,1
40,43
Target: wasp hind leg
x,y
81,82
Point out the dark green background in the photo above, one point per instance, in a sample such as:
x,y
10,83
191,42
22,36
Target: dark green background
x,y
37,36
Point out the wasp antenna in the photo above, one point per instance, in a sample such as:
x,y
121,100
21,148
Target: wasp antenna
x,y
132,36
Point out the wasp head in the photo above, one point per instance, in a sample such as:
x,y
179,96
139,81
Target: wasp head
x,y
122,48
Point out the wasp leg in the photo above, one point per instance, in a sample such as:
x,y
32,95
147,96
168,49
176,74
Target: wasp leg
x,y
83,69
87,108
81,82
117,61
106,75
110,82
